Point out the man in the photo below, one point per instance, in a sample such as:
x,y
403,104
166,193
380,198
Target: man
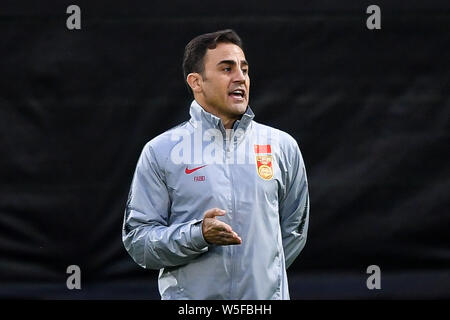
x,y
220,203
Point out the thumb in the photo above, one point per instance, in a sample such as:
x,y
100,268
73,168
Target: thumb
x,y
211,213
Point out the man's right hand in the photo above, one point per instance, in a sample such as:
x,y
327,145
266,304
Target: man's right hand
x,y
216,231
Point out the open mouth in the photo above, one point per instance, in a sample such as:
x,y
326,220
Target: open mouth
x,y
238,94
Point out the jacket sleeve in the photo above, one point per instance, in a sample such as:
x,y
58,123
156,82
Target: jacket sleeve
x,y
294,205
146,234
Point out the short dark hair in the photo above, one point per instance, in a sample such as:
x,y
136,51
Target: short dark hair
x,y
195,50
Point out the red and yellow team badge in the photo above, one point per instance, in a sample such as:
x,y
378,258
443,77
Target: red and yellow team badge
x,y
264,161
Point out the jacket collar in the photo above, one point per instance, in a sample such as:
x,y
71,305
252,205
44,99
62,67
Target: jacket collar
x,y
198,114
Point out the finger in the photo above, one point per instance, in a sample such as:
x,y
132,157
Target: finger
x,y
232,241
219,225
236,242
236,236
228,235
221,236
231,238
224,239
211,213
213,225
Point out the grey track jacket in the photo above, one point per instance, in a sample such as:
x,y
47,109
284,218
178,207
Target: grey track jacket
x,y
254,172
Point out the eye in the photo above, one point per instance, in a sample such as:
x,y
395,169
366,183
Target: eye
x,y
244,71
227,69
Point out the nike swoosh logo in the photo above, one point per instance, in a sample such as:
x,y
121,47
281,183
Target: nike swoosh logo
x,y
189,171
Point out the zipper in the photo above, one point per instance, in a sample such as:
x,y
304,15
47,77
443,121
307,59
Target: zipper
x,y
227,148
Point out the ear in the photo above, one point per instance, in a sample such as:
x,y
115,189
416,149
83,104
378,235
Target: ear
x,y
195,81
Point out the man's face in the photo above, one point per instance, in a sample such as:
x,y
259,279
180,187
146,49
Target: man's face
x,y
225,81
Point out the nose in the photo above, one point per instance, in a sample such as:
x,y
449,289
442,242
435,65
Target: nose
x,y
239,76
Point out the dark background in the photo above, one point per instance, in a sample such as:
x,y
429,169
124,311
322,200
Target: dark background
x,y
369,109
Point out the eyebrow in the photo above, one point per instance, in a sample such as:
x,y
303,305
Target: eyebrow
x,y
232,62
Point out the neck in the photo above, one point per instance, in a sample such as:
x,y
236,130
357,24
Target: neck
x,y
226,120
228,123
